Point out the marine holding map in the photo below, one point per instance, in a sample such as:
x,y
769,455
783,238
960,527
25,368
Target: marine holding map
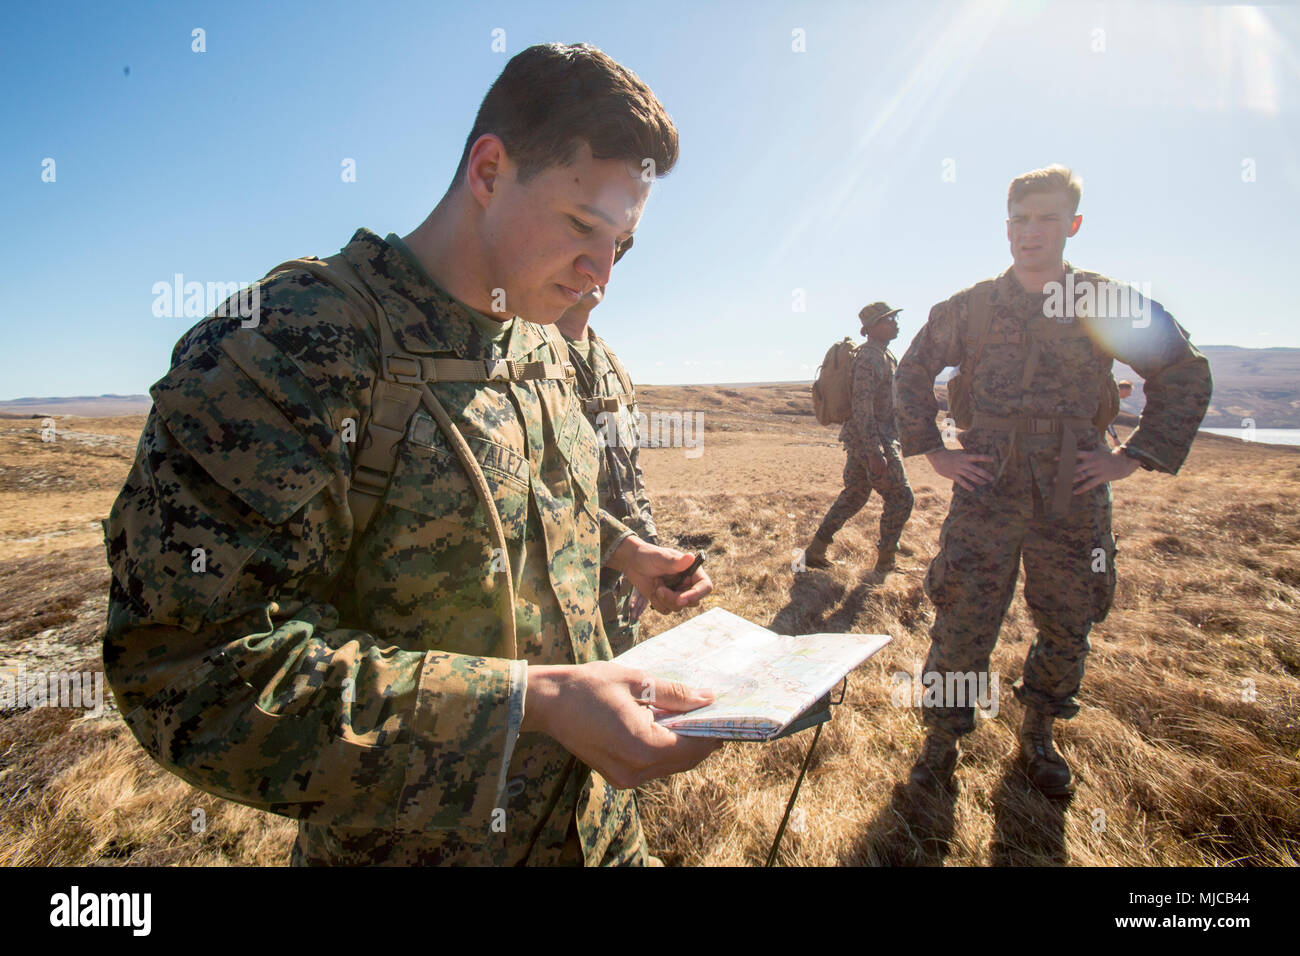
x,y
310,608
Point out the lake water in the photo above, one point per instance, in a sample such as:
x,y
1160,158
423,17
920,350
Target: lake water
x,y
1270,436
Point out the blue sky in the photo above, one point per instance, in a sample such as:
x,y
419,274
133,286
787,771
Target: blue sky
x,y
821,170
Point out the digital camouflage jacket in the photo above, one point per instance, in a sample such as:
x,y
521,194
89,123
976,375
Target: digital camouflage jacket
x,y
263,655
1062,381
873,423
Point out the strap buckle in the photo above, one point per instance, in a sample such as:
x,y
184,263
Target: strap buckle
x,y
403,369
369,481
498,370
1042,426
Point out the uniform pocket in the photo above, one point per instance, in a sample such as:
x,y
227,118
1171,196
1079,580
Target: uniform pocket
x,y
430,480
936,577
219,411
577,443
1104,578
164,723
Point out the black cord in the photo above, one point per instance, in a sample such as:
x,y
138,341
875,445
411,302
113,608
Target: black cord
x,y
780,832
794,795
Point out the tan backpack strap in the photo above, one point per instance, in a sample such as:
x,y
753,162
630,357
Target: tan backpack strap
x,y
623,378
608,403
414,369
391,409
612,403
979,316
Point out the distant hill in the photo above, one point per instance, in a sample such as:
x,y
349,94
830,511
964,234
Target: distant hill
x,y
90,406
1263,384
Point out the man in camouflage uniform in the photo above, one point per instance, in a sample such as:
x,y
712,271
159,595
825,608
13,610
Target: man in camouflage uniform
x,y
1033,477
610,404
266,648
870,437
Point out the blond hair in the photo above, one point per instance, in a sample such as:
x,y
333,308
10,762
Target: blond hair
x,y
1048,179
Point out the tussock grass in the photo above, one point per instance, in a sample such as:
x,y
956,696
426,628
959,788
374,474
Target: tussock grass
x,y
1187,747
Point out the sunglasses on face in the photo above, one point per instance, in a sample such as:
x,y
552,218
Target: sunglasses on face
x,y
621,249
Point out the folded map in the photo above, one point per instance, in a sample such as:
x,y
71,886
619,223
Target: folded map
x,y
762,681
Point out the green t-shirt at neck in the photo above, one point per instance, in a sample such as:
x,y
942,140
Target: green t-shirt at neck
x,y
583,346
496,331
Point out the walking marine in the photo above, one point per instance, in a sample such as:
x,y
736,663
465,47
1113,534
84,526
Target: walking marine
x,y
355,563
1032,479
870,437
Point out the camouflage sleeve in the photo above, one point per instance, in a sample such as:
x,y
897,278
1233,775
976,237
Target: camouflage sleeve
x,y
223,646
612,533
866,378
938,345
648,529
1177,384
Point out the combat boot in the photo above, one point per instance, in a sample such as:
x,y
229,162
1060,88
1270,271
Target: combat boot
x,y
814,556
885,559
1047,770
938,759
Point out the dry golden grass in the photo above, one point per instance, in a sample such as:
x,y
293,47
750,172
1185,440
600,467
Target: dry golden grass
x,y
1175,767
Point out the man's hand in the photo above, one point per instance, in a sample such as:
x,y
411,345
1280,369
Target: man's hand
x,y
647,564
960,466
877,466
1100,465
604,714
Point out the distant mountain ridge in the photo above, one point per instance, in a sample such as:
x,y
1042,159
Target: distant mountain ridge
x,y
1258,384
89,406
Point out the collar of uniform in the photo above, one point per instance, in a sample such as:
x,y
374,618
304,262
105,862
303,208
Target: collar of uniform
x,y
600,363
425,319
1009,287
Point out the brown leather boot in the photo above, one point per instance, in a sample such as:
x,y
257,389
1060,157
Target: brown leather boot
x,y
938,759
1047,770
814,556
885,559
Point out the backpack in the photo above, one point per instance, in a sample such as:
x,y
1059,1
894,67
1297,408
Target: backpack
x,y
979,316
832,392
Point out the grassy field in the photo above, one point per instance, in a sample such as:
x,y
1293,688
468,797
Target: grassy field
x,y
1186,746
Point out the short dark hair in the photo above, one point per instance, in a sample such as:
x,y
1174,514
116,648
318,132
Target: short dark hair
x,y
551,96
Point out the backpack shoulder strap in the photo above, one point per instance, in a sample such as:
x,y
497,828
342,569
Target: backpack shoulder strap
x,y
628,395
393,403
979,316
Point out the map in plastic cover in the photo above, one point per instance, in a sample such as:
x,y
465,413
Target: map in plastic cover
x,y
762,680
